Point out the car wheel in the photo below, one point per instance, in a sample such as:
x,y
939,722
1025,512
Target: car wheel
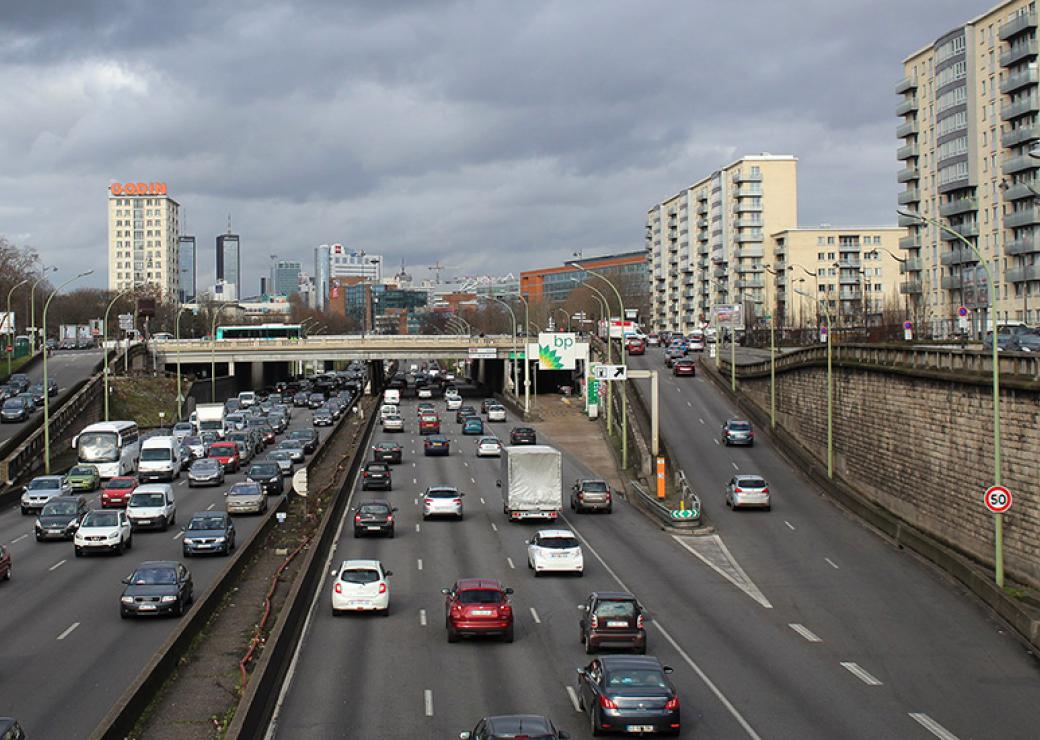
x,y
120,548
385,612
186,552
25,511
581,635
165,524
508,635
453,636
79,552
130,542
124,614
179,609
39,538
173,519
191,483
390,534
7,575
357,532
610,509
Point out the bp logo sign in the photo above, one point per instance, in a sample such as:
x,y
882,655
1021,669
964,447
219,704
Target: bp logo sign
x,y
557,351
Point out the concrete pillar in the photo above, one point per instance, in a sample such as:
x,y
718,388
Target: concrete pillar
x,y
256,375
231,368
375,375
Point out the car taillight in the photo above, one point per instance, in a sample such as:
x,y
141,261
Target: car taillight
x,y
357,518
606,702
457,501
594,622
738,489
672,704
389,517
641,622
382,588
364,474
765,490
338,589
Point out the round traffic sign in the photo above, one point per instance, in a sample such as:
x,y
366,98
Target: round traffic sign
x,y
908,325
997,499
962,311
823,330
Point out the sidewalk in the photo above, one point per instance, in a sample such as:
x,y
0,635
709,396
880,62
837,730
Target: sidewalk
x,y
565,423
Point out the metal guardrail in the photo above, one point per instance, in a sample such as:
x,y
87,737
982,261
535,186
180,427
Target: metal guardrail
x,y
669,516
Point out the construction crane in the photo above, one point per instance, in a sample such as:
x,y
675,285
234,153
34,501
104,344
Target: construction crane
x,y
436,270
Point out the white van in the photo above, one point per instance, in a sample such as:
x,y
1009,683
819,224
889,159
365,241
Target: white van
x,y
387,409
392,396
246,399
160,459
151,506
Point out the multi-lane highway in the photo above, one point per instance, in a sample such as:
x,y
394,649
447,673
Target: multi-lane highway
x,y
851,638
66,654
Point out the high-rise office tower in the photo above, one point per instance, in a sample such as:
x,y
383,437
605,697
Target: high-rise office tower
x,y
322,275
229,259
188,276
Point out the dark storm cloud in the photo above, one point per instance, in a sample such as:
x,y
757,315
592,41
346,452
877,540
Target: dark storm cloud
x,y
494,135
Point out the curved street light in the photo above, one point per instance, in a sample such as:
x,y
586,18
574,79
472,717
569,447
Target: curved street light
x,y
32,310
830,386
601,298
177,333
512,316
10,335
104,342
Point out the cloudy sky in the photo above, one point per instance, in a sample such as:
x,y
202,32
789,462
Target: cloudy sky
x,y
492,136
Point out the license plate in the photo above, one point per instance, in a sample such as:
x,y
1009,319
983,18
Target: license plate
x,y
373,528
617,623
147,607
482,612
358,602
54,531
640,728
144,521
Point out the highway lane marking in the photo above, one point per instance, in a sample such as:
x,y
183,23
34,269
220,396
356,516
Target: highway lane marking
x,y
734,466
182,483
691,406
57,565
861,674
716,441
413,464
415,481
805,632
730,569
428,702
210,507
19,539
179,535
574,698
789,525
422,617
482,500
932,726
494,526
417,527
418,563
68,631
465,463
535,617
678,389
510,561
832,563
473,481
734,712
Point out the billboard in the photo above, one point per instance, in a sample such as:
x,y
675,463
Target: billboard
x,y
557,351
728,316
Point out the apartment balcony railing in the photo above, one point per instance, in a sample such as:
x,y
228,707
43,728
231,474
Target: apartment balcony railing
x,y
906,129
908,174
908,104
906,85
1020,135
1022,217
959,205
913,195
1018,52
910,287
1021,107
1025,245
1019,24
1018,80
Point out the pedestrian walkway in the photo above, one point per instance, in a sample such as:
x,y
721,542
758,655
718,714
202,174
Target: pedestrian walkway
x,y
564,421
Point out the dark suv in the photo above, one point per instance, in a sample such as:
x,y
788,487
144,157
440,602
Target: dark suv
x,y
591,495
612,619
308,437
374,517
509,726
523,436
269,475
388,452
376,475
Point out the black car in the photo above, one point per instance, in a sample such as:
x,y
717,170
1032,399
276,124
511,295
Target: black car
x,y
300,400
509,726
37,394
523,436
315,400
268,475
628,693
60,517
156,587
463,412
308,437
20,381
376,475
14,409
209,532
374,517
388,452
612,619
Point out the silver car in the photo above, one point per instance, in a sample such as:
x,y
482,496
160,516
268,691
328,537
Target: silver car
x,y
393,424
42,489
206,471
246,498
284,460
295,449
442,501
747,491
496,413
489,447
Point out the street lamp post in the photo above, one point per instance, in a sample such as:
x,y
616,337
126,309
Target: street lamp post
x,y
527,360
605,317
213,350
901,261
32,310
46,389
998,519
177,333
830,387
10,317
104,342
512,316
772,359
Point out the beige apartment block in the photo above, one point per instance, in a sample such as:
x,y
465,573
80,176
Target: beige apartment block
x,y
143,233
968,108
852,273
707,243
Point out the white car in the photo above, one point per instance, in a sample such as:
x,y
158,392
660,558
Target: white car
x,y
151,506
104,529
496,413
393,424
442,501
425,392
555,550
489,447
387,409
362,586
453,402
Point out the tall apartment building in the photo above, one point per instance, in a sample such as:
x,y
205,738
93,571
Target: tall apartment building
x,y
854,272
143,233
707,242
229,260
188,276
969,120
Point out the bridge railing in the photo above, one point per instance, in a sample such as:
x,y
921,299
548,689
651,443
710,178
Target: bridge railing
x,y
372,341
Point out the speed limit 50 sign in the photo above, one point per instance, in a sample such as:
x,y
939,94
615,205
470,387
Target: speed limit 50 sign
x,y
997,499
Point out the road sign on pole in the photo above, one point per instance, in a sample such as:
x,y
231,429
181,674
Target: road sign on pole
x,y
610,372
908,330
823,334
299,482
997,499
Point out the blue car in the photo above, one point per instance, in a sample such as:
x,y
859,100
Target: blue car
x,y
473,425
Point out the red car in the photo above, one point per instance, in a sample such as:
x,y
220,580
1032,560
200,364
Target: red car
x,y
684,367
635,347
226,453
5,563
429,424
478,606
116,491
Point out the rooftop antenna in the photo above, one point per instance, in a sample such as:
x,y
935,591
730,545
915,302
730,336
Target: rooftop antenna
x,y
229,223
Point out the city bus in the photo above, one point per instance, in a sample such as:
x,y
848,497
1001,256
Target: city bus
x,y
260,331
113,447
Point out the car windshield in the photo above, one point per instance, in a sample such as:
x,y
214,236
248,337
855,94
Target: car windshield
x,y
751,483
205,464
359,575
154,577
442,493
480,596
594,486
244,489
182,426
377,509
81,470
44,484
610,609
739,426
430,419
279,455
387,446
148,499
489,441
264,470
98,447
59,508
437,439
101,519
636,678
13,403
155,453
206,522
558,543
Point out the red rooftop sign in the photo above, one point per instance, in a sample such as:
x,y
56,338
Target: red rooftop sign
x,y
138,188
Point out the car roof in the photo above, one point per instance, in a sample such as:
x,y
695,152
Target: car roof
x,y
737,421
749,476
438,437
474,584
513,723
49,477
202,514
554,533
441,487
158,564
489,439
70,499
387,443
617,662
359,564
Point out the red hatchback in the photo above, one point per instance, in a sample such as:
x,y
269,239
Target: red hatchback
x,y
429,424
226,453
478,606
116,492
684,367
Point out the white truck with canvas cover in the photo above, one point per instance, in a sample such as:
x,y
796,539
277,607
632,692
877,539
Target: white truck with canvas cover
x,y
532,482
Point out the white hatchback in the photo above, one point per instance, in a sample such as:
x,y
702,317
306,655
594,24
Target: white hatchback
x,y
387,409
496,413
103,529
393,424
442,501
555,550
453,402
361,586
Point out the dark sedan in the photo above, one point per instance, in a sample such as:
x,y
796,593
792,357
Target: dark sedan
x,y
60,517
376,475
628,693
388,452
206,471
436,444
374,517
209,532
509,726
268,475
156,587
523,436
14,409
463,413
308,438
684,367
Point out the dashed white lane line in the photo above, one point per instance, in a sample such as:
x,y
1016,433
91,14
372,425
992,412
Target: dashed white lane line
x,y
861,674
734,466
494,526
57,565
698,418
832,563
19,539
418,563
428,702
179,535
789,525
182,483
932,726
574,698
465,463
716,441
210,507
535,617
473,480
416,502
691,406
805,632
422,617
415,481
68,631
413,464
482,500
417,527
510,561
678,390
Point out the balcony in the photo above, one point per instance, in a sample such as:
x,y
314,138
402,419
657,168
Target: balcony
x,y
750,252
749,238
959,256
1018,191
910,287
1019,135
754,269
907,129
950,282
1022,22
1025,245
907,174
1018,80
739,177
702,224
851,295
958,205
720,272
1019,163
913,195
749,192
847,264
747,207
907,220
849,278
702,210
906,85
1021,107
1022,274
750,284
910,242
1021,217
749,223
1022,50
906,152
908,104
967,230
912,264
